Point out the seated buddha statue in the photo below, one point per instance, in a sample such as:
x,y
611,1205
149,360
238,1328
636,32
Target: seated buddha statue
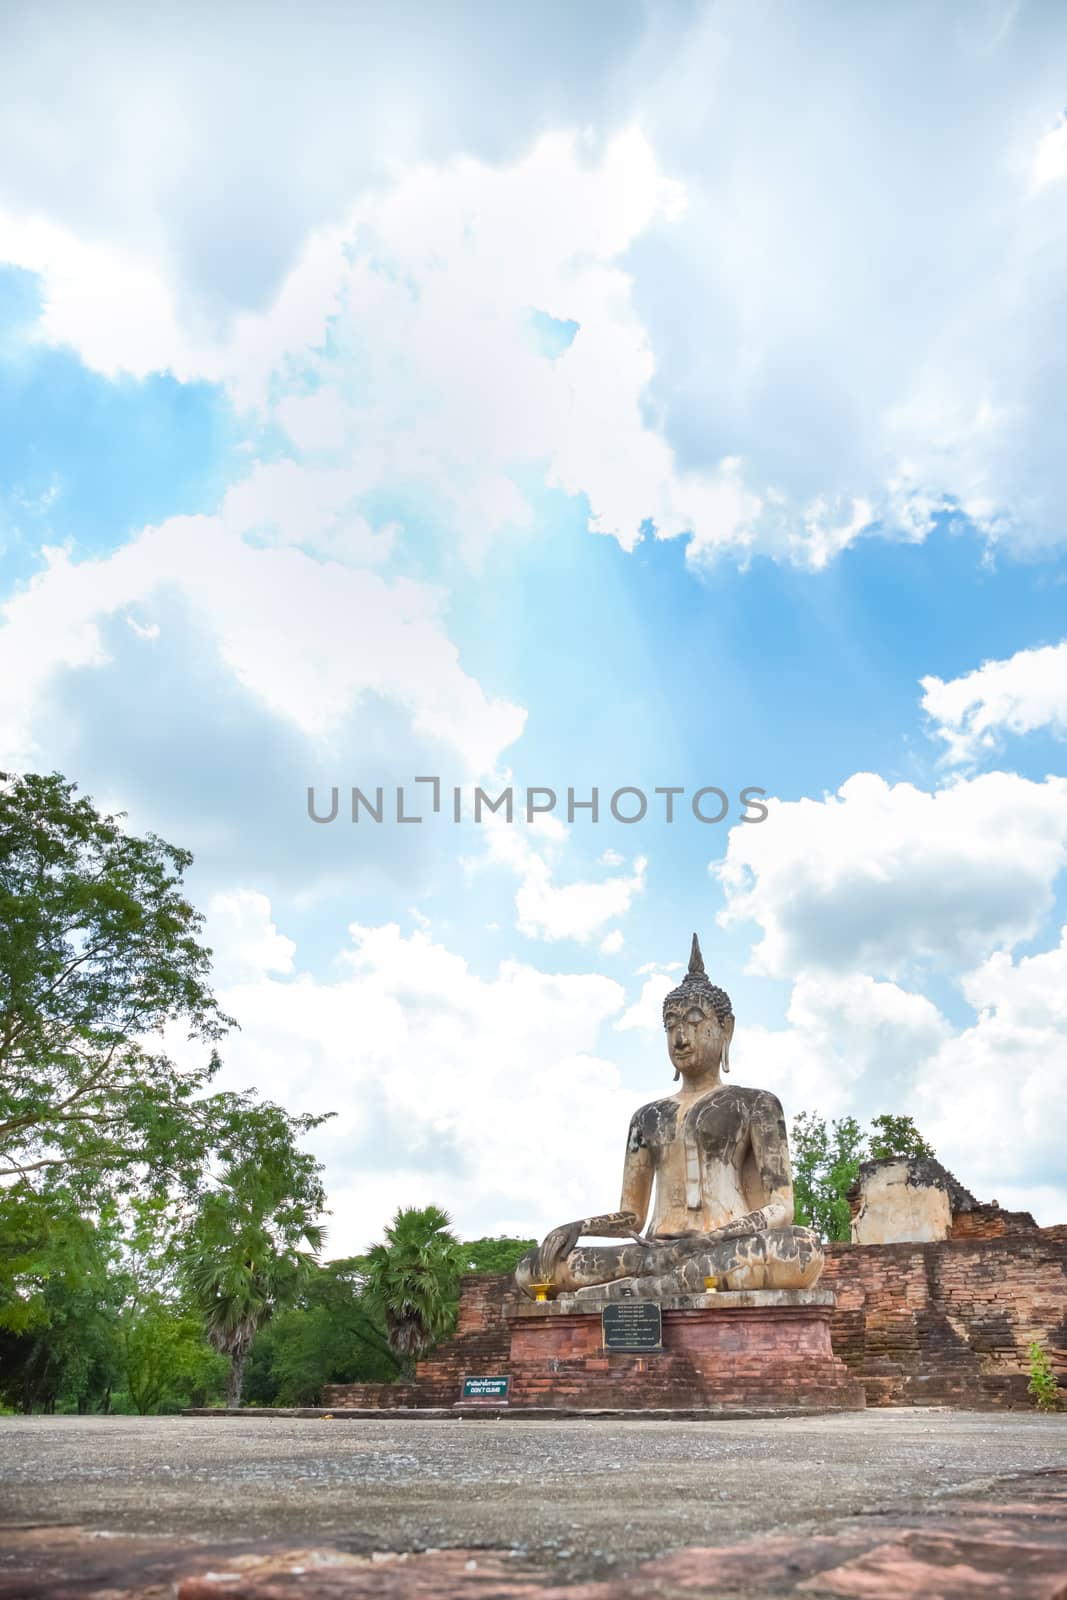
x,y
706,1168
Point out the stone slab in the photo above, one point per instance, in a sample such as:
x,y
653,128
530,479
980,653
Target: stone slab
x,y
1001,1539
726,1300
487,1410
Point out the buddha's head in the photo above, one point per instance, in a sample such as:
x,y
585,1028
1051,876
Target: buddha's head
x,y
699,1021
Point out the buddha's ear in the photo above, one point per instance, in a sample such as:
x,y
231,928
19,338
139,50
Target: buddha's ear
x,y
728,1033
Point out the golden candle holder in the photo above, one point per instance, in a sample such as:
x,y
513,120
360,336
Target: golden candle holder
x,y
540,1291
711,1285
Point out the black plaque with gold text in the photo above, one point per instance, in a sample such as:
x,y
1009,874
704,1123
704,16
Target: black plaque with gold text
x,y
632,1325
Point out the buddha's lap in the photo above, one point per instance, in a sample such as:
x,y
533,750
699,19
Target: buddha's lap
x,y
765,1242
772,1258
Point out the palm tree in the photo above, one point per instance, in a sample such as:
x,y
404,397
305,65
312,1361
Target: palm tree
x,y
412,1280
245,1263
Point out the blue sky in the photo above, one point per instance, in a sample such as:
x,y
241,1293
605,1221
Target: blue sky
x,y
658,421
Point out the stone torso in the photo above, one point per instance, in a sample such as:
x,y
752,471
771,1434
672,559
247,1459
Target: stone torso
x,y
702,1157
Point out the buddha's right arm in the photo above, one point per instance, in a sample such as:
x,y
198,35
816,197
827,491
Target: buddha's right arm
x,y
636,1179
626,1223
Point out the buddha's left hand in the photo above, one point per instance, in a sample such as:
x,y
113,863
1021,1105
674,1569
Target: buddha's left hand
x,y
754,1222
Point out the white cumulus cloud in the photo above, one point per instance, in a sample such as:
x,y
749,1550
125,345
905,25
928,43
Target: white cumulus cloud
x,y
1026,692
347,633
546,908
784,344
244,941
993,1099
487,1095
885,878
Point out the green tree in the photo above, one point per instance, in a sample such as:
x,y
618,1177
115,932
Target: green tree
x,y
412,1280
499,1254
166,1358
896,1136
60,1298
251,1252
90,1311
100,952
826,1161
101,961
331,1336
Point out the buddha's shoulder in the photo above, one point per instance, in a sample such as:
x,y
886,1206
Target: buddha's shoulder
x,y
744,1094
660,1117
654,1117
751,1104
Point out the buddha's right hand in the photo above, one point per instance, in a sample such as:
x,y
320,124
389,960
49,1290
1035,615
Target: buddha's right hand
x,y
558,1244
554,1247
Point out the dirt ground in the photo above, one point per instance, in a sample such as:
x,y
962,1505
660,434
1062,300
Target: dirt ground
x,y
582,1498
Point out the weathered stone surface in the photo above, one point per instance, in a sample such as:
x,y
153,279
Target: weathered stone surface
x,y
707,1169
375,1396
1007,1541
889,1208
388,1575
909,1199
950,1566
990,1222
752,1299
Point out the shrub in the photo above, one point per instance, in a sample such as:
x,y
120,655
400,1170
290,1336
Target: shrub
x,y
1042,1385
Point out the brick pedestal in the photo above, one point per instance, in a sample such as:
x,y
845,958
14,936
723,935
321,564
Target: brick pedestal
x,y
722,1352
948,1323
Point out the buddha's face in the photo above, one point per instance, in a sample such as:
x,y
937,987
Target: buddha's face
x,y
694,1040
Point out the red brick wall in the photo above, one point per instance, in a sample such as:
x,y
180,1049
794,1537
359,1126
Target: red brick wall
x,y
481,1296
949,1323
990,1222
921,1324
766,1358
370,1396
480,1348
481,1345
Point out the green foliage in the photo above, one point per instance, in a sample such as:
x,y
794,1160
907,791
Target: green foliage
x,y
99,952
125,1182
166,1361
826,1161
499,1254
337,1332
1042,1385
59,1302
331,1336
250,1252
91,1316
896,1136
412,1281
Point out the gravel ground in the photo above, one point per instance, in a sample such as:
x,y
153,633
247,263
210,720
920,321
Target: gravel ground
x,y
586,1493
